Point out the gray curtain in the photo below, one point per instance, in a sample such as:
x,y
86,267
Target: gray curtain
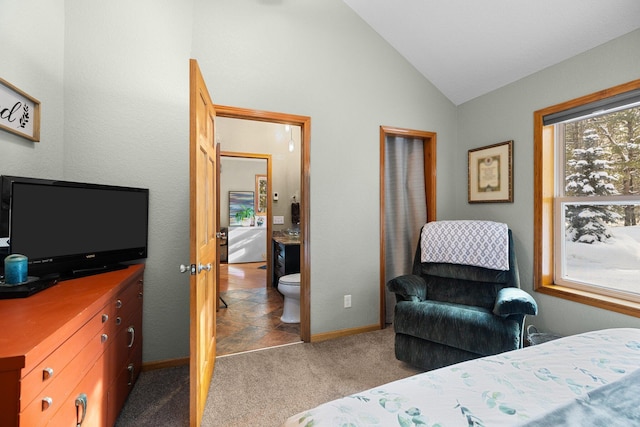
x,y
405,207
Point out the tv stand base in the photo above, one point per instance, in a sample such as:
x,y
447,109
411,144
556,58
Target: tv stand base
x,y
74,274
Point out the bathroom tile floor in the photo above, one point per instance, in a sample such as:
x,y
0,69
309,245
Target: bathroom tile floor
x,y
252,319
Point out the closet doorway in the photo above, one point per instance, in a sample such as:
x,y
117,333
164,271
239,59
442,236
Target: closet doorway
x,y
407,201
292,133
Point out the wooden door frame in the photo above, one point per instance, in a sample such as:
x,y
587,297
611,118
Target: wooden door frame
x,y
257,156
305,257
429,150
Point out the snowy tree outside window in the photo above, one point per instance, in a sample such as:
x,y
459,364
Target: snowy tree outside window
x,y
598,201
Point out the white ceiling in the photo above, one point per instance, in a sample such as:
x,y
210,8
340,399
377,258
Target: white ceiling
x,y
467,48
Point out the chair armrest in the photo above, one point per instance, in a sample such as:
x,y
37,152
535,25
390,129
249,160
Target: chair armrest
x,y
514,301
408,288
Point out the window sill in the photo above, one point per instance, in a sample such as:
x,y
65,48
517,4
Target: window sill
x,y
591,298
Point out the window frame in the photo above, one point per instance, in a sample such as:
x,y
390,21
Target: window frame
x,y
545,208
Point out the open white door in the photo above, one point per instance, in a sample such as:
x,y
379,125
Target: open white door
x,y
203,242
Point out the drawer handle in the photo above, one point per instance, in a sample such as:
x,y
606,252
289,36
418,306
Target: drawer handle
x,y
105,317
118,304
131,371
81,404
47,373
46,403
104,338
132,331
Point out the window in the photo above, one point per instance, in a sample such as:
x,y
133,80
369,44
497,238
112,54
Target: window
x,y
587,199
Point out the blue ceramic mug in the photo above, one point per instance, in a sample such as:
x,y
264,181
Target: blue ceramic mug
x,y
15,269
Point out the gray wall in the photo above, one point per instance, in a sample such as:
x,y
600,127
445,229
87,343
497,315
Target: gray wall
x,y
250,136
507,113
32,52
318,59
113,81
126,100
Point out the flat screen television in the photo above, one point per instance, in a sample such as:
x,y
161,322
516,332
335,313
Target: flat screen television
x,y
71,229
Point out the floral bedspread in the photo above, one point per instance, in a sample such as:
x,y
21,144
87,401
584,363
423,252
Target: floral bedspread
x,y
509,389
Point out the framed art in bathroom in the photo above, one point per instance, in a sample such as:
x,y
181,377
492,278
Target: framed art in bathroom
x,y
241,208
490,171
261,195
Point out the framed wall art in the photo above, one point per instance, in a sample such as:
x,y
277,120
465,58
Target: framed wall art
x,y
241,209
19,112
491,173
261,195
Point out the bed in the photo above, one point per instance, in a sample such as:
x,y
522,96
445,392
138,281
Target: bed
x,y
581,380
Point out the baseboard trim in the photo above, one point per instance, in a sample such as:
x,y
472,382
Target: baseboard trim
x,y
170,363
343,333
161,364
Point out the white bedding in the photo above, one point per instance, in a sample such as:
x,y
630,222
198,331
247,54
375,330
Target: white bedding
x,y
508,389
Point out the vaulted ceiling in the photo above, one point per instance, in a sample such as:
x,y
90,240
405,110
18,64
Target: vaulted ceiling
x,y
468,48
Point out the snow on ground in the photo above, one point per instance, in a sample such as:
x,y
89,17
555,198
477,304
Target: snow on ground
x,y
614,263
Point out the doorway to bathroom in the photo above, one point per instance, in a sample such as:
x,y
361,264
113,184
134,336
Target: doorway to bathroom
x,y
264,168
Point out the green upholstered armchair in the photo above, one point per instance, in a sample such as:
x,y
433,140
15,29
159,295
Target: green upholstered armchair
x,y
448,313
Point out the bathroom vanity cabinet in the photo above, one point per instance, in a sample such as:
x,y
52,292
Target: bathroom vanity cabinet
x,y
70,355
285,251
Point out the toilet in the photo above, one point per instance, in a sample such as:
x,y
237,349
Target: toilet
x,y
289,287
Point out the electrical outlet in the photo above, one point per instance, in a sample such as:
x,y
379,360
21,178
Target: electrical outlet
x,y
278,219
347,301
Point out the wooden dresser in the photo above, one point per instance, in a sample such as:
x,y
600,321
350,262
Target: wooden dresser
x,y
69,355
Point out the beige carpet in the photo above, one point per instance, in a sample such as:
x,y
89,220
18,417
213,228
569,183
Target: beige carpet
x,y
263,388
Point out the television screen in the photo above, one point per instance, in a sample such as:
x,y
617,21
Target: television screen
x,y
65,227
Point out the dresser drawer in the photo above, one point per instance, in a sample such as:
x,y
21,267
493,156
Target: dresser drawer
x,y
122,386
48,371
119,335
126,304
51,397
86,405
127,338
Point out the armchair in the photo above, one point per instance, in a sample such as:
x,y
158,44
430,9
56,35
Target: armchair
x,y
448,312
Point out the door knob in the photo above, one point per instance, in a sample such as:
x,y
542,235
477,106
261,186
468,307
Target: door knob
x,y
189,268
204,267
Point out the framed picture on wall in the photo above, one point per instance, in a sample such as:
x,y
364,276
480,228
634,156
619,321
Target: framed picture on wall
x,y
241,208
261,195
491,173
19,112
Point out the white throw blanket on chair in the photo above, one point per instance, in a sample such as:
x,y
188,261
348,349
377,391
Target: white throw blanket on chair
x,y
479,243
